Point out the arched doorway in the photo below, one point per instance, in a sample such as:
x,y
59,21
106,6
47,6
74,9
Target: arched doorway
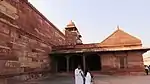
x,y
90,61
93,62
74,61
61,64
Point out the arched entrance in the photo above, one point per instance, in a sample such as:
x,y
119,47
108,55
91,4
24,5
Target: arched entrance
x,y
93,62
61,64
74,61
69,62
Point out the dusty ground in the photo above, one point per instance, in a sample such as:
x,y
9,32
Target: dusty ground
x,y
101,79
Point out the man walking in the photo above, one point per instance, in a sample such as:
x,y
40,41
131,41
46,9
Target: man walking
x,y
88,77
79,76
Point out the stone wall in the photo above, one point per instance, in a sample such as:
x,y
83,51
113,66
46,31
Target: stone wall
x,y
26,37
133,62
109,61
71,38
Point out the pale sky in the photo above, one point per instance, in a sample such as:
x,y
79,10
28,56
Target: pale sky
x,y
97,19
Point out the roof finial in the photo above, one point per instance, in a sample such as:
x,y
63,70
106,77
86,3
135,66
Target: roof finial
x,y
118,27
71,24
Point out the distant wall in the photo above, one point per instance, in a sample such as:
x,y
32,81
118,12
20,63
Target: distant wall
x,y
132,61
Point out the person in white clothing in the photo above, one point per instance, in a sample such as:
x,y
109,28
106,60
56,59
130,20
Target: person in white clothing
x,y
88,77
79,76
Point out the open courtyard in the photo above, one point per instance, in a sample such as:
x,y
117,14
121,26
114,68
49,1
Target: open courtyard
x,y
99,79
33,48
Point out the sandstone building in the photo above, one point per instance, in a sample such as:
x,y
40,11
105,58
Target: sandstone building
x,y
30,42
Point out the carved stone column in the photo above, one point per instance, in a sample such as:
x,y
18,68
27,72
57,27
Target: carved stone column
x,y
56,68
67,63
84,62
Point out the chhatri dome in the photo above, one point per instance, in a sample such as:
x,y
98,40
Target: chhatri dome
x,y
71,24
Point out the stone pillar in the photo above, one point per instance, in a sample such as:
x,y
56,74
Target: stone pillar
x,y
127,59
67,59
84,62
56,63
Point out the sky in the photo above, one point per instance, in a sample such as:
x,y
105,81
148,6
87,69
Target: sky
x,y
97,19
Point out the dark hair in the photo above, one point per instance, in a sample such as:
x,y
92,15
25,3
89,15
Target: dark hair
x,y
85,73
79,66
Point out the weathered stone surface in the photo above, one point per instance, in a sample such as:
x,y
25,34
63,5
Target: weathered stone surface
x,y
27,38
27,34
133,62
72,34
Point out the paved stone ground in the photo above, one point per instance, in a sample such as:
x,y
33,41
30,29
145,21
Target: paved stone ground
x,y
101,79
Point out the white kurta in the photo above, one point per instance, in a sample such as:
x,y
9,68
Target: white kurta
x,y
78,76
88,78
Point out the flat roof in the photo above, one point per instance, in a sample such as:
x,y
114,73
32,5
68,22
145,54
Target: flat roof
x,y
94,50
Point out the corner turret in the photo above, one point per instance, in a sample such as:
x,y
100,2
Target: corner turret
x,y
72,34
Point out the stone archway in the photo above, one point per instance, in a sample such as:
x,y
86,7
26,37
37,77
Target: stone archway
x,y
93,62
68,63
58,63
74,61
61,64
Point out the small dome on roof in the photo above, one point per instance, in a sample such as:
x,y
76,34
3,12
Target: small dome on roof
x,y
71,24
